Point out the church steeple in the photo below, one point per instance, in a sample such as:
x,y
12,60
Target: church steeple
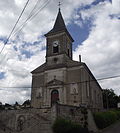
x,y
59,42
59,26
59,23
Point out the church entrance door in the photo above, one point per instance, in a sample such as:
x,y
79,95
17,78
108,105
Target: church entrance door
x,y
54,96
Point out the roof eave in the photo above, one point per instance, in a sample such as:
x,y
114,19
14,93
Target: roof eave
x,y
92,75
59,31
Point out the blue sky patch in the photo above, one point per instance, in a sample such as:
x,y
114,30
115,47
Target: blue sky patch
x,y
15,48
78,33
3,39
2,75
94,3
27,54
114,16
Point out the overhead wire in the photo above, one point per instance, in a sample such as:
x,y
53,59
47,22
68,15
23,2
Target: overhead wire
x,y
13,30
99,79
117,76
14,26
31,17
20,15
31,13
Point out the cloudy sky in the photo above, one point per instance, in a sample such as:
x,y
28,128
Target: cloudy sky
x,y
94,25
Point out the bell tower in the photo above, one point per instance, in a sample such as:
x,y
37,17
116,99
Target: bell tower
x,y
59,42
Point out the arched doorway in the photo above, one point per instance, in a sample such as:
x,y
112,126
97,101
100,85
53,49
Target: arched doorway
x,y
54,96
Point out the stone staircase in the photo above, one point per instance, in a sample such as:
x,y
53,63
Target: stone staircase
x,y
36,123
4,128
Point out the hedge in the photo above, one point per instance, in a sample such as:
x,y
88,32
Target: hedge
x,y
104,119
66,126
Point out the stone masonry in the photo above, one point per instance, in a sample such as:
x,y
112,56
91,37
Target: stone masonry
x,y
41,120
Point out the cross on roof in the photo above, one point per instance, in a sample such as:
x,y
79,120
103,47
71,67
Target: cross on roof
x,y
59,4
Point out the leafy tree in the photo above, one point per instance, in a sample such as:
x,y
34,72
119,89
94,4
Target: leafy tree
x,y
16,103
110,99
7,105
1,106
27,102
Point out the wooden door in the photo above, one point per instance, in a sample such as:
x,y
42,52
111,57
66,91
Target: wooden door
x,y
54,96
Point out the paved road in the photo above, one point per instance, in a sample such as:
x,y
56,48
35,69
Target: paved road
x,y
113,129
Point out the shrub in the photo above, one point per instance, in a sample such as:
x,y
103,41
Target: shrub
x,y
66,126
104,119
117,113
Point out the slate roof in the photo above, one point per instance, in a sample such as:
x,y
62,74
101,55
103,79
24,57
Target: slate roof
x,y
59,26
69,64
45,66
39,69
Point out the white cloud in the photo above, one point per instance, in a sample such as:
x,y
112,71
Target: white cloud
x,y
12,96
101,49
99,46
17,70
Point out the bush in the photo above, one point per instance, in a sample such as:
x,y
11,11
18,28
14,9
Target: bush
x,y
66,126
118,114
104,119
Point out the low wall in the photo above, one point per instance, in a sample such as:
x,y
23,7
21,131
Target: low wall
x,y
83,116
33,120
18,120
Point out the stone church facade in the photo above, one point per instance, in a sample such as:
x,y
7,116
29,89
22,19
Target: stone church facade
x,y
61,79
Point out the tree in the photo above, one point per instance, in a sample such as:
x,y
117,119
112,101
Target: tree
x,y
1,106
0,103
16,103
110,99
27,102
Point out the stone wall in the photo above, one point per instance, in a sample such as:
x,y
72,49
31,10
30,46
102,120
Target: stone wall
x,y
41,120
75,114
26,121
82,116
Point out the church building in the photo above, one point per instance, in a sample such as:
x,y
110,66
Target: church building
x,y
61,79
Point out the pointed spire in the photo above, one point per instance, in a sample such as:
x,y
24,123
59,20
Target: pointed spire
x,y
59,25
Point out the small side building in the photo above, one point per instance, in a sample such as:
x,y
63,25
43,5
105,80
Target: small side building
x,y
61,79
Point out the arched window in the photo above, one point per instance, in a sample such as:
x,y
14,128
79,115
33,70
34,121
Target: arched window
x,y
55,49
56,46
